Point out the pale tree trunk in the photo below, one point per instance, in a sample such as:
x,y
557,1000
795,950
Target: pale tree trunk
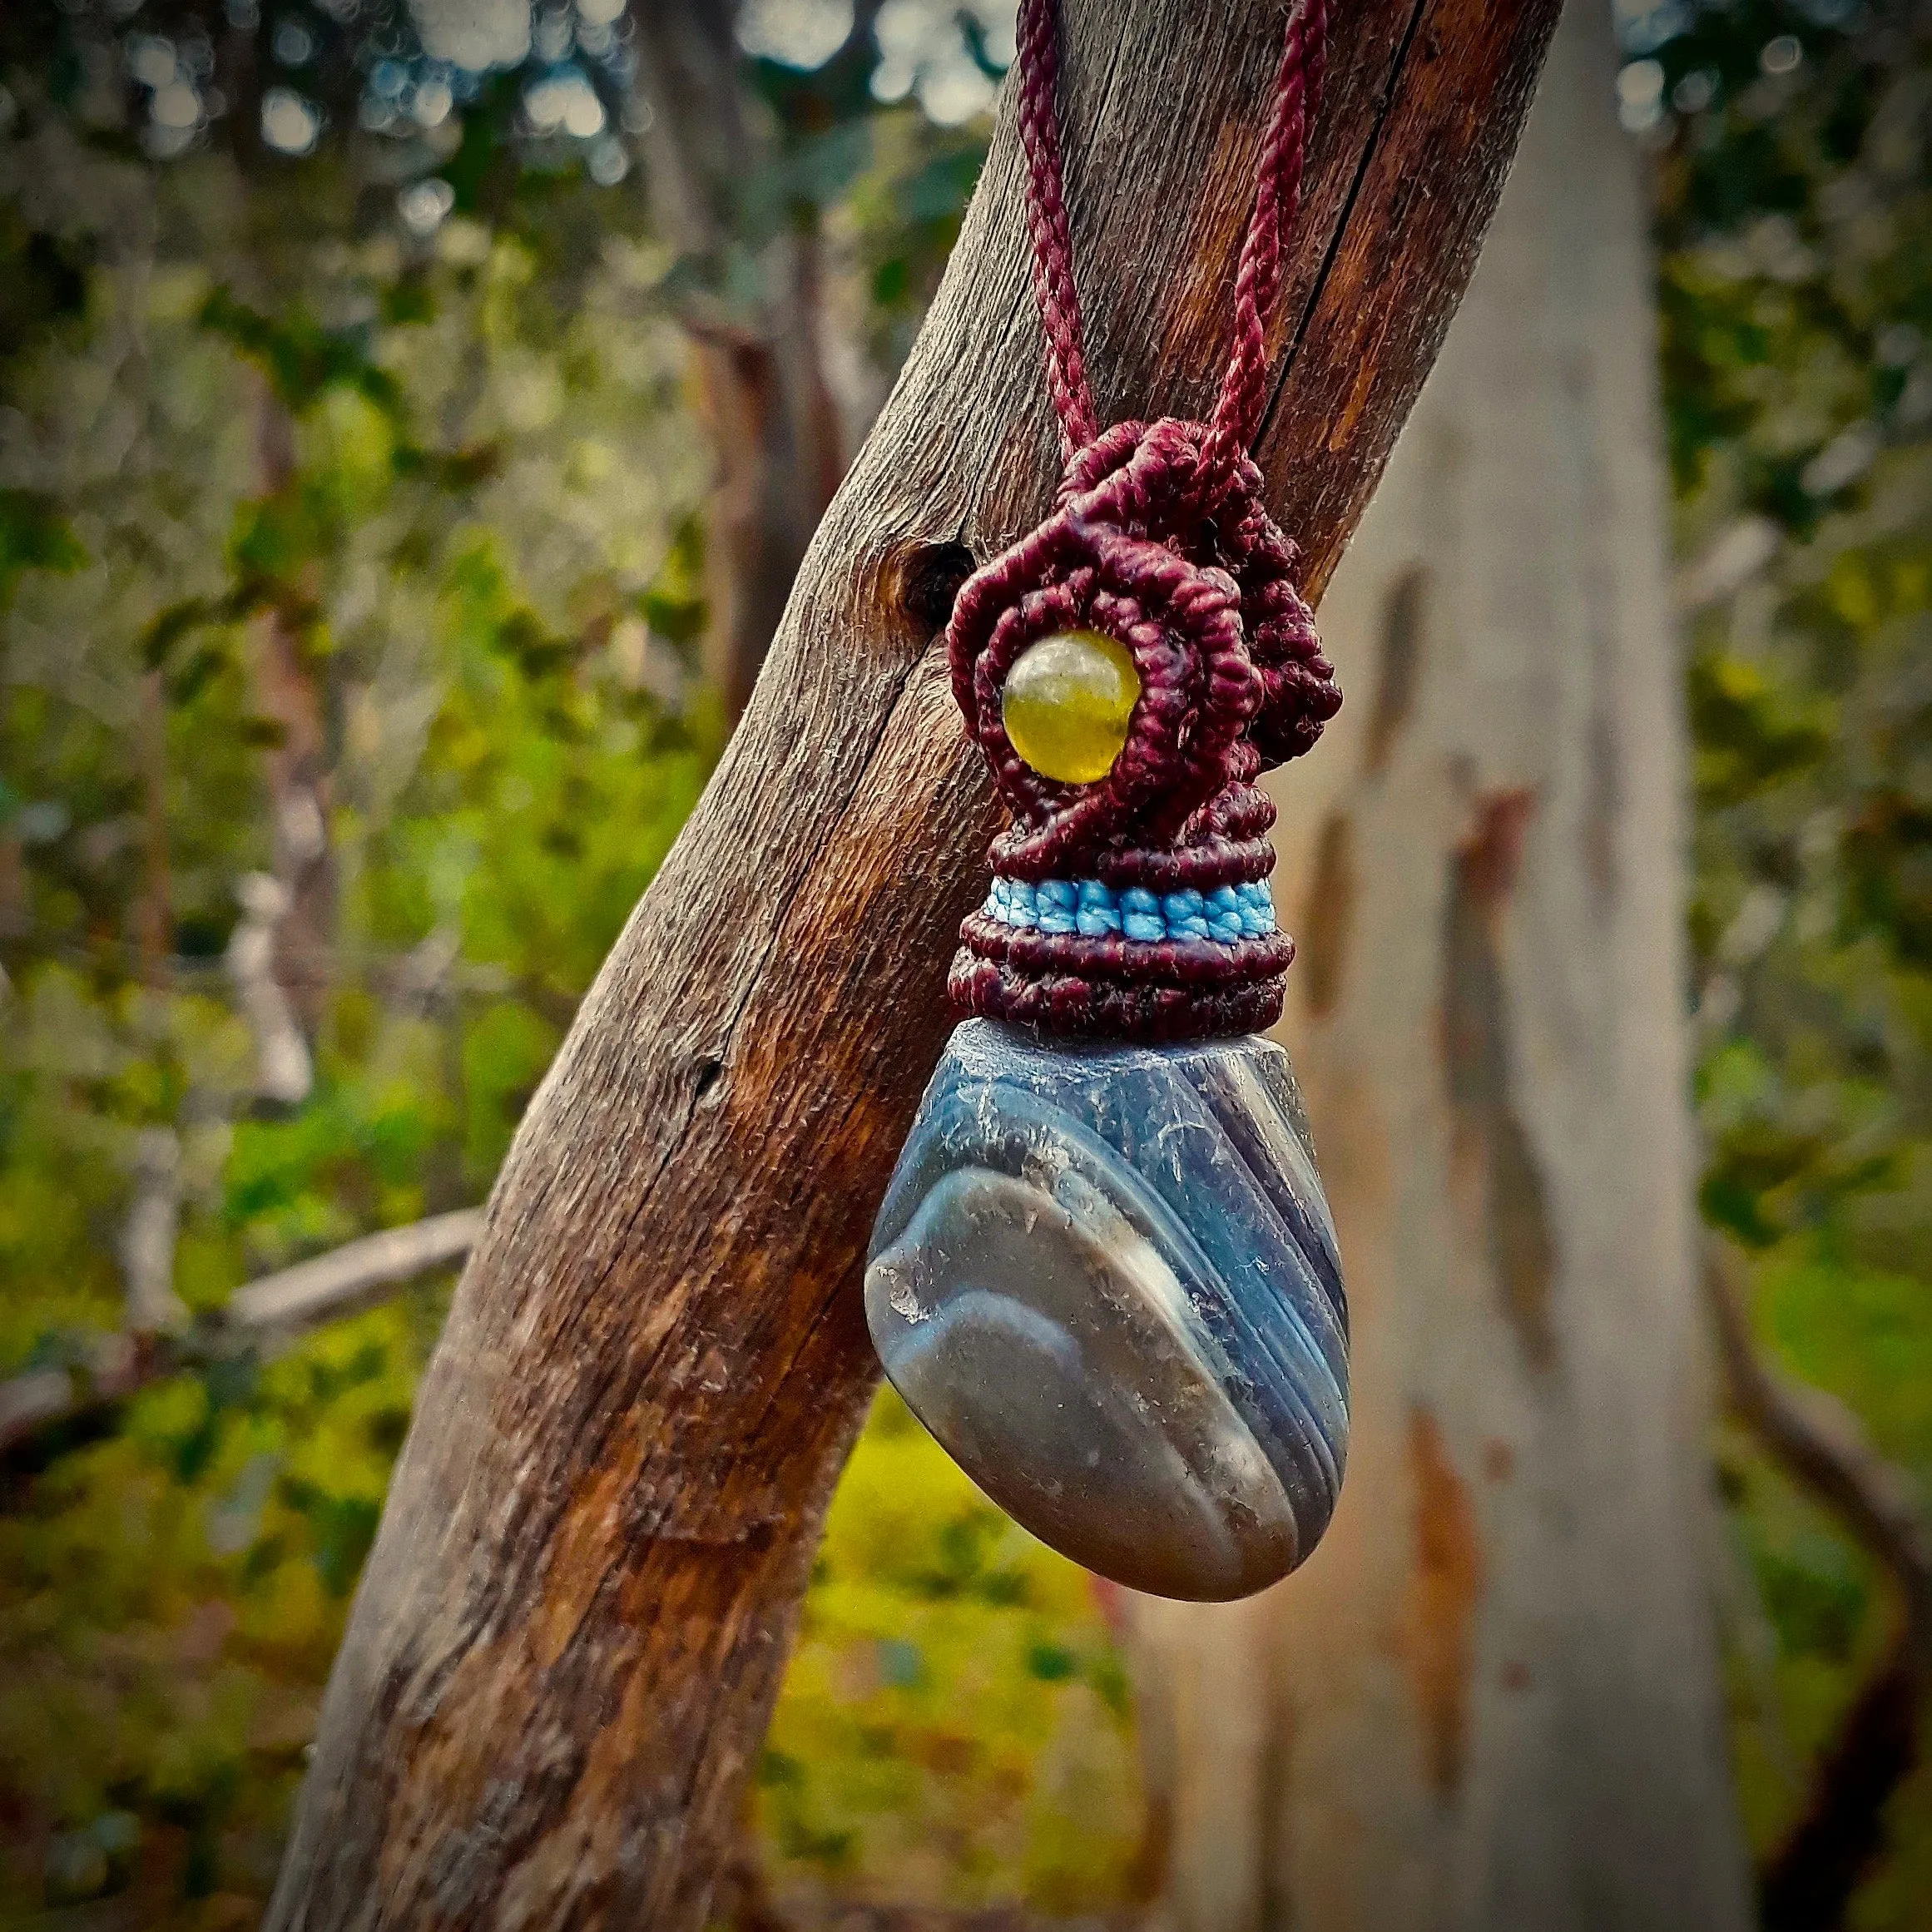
x,y
289,692
1491,1700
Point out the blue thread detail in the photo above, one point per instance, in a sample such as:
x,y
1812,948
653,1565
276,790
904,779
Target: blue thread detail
x,y
1227,915
1058,899
1098,917
1187,915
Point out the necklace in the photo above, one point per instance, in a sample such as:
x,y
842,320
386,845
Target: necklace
x,y
1104,1275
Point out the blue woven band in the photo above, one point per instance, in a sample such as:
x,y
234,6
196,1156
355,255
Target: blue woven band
x,y
1086,906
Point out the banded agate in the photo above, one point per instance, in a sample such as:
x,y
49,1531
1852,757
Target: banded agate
x,y
1104,1278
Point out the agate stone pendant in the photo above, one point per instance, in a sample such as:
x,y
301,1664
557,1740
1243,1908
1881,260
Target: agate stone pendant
x,y
1104,1275
1104,1278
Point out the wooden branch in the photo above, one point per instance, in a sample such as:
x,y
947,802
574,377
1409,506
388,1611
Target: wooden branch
x,y
266,1315
1810,1879
1807,1883
346,1278
760,378
571,1627
1824,1446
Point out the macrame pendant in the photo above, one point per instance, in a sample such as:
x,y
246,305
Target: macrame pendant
x,y
1104,1275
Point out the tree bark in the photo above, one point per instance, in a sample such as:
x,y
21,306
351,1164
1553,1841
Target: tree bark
x,y
566,1644
1492,1698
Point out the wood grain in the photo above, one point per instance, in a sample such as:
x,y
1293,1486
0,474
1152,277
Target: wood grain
x,y
571,1629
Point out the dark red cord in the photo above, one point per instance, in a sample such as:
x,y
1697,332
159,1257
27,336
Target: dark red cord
x,y
1159,537
1244,392
1053,289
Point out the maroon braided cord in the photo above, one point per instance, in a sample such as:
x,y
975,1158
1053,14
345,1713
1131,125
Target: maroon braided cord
x,y
1159,539
1232,680
1244,390
1277,195
1053,289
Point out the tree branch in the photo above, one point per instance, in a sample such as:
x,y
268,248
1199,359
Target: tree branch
x,y
1824,1446
267,1315
1808,1882
761,379
340,1282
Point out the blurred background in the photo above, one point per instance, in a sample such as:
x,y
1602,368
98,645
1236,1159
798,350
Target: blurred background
x,y
411,415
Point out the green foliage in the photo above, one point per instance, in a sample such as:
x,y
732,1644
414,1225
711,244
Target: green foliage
x,y
955,1723
303,360
170,1599
1749,733
455,489
432,461
295,476
33,536
1797,199
906,215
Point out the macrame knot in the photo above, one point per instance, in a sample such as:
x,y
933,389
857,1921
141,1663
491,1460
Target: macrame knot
x,y
1130,896
1135,906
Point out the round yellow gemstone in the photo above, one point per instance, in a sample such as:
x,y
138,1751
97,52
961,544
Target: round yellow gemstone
x,y
1067,703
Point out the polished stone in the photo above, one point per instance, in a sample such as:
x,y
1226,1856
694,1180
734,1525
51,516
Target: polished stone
x,y
1106,1278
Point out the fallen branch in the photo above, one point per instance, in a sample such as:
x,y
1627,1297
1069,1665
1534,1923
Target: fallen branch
x,y
1824,1446
343,1279
1808,1882
1810,1879
265,1316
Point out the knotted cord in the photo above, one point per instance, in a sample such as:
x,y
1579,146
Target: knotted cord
x,y
1237,412
1135,906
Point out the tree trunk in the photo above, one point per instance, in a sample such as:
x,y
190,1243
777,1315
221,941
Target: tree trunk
x,y
1491,1699
760,378
154,915
288,692
565,1645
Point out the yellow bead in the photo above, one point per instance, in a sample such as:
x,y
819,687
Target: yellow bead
x,y
1067,703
